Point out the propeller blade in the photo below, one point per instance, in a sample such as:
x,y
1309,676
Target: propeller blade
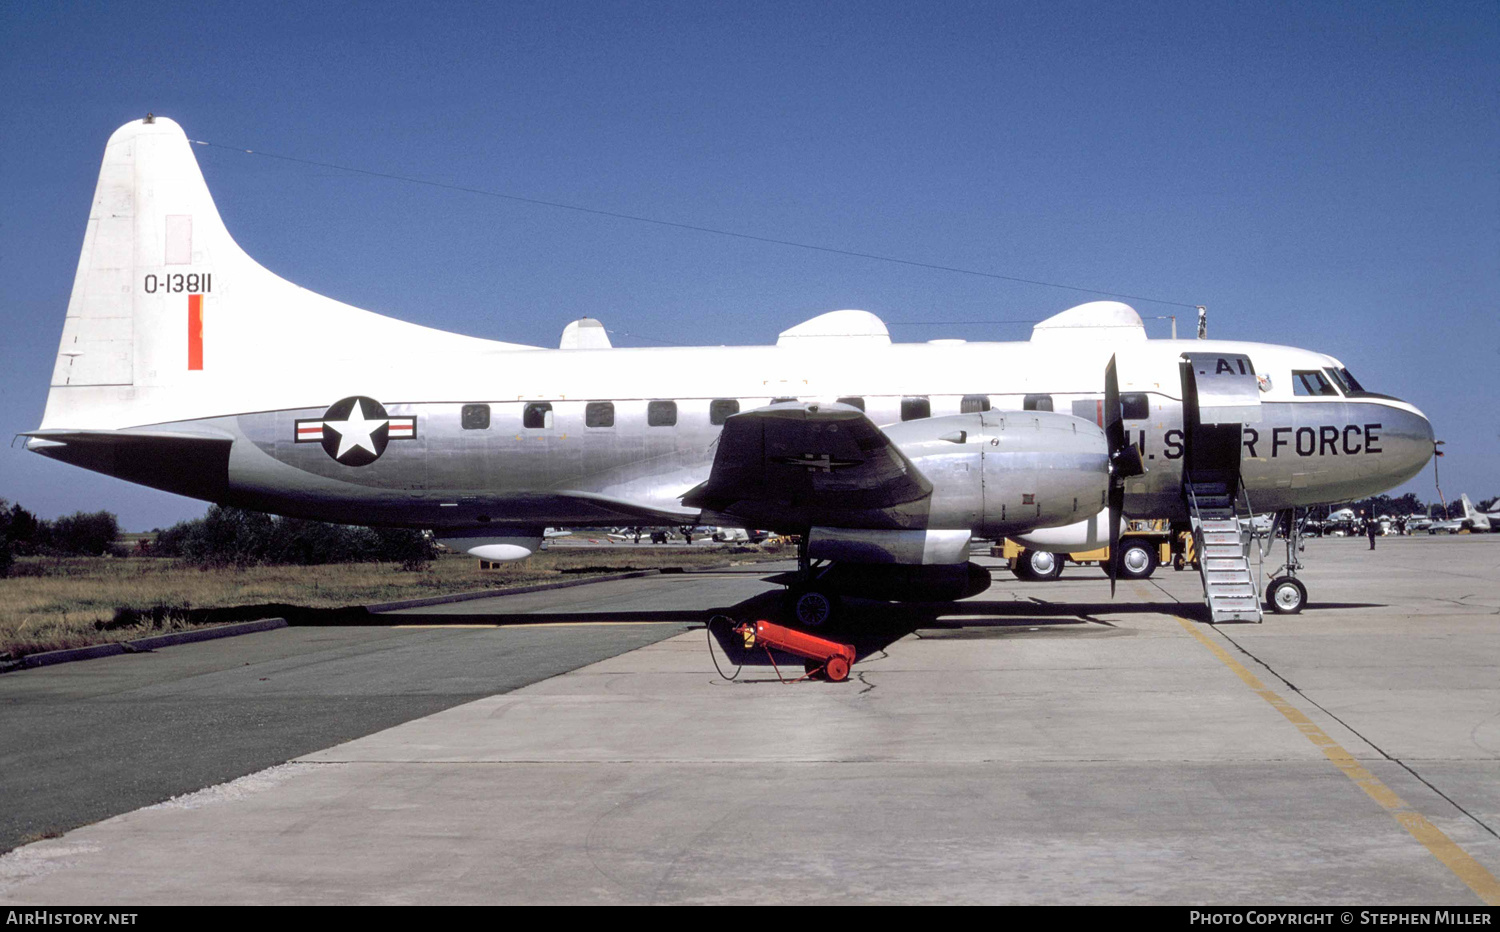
x,y
1116,506
1114,423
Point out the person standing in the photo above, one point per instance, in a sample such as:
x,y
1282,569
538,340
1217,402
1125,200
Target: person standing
x,y
1372,527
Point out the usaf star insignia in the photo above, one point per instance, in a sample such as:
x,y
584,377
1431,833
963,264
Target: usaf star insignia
x,y
355,430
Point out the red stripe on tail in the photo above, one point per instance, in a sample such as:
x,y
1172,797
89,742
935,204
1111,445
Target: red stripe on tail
x,y
195,331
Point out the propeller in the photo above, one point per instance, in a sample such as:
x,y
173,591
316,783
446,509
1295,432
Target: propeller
x,y
1124,463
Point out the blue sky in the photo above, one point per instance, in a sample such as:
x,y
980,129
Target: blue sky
x,y
1320,174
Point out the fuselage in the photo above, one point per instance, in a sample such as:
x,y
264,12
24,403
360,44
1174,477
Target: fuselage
x,y
578,437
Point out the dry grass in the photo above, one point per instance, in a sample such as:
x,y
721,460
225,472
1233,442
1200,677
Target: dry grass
x,y
51,604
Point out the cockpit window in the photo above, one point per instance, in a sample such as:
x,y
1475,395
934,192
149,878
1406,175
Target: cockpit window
x,y
1351,381
1338,380
1311,382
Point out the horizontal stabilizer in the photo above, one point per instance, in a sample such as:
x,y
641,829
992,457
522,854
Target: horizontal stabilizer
x,y
195,465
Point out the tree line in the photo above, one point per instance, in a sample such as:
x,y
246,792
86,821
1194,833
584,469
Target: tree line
x,y
238,537
222,537
79,534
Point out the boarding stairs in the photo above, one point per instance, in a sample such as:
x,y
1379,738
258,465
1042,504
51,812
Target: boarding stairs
x,y
1224,547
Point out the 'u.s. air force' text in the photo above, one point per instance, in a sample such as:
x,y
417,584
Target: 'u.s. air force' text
x,y
1323,440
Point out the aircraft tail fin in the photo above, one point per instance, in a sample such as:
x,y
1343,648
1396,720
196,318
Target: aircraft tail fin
x,y
169,319
153,232
1468,505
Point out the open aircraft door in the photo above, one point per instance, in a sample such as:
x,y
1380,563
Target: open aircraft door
x,y
1220,394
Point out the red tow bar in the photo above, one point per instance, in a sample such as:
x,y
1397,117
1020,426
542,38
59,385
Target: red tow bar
x,y
830,658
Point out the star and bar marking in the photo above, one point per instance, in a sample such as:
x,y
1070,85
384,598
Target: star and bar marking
x,y
354,431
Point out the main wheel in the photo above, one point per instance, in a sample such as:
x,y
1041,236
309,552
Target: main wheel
x,y
813,608
1137,560
1286,595
1039,565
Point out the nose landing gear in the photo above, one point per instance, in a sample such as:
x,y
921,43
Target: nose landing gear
x,y
1286,595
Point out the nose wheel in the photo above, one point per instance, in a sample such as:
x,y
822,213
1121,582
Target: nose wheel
x,y
1286,595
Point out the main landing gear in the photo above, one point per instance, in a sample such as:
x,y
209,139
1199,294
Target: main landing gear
x,y
808,603
1286,595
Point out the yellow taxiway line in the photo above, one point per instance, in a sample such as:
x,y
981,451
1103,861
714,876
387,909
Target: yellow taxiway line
x,y
1456,859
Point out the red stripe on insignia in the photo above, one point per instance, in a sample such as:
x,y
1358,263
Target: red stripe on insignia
x,y
195,331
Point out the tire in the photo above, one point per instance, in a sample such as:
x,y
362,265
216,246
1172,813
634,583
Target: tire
x,y
1039,565
1137,560
1286,595
813,608
1179,563
837,670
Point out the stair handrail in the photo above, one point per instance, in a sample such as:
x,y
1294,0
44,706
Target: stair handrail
x,y
1260,551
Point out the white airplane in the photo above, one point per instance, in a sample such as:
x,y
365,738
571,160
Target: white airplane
x,y
1476,520
186,366
1417,522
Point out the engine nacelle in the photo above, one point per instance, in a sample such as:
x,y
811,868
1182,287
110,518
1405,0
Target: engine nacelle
x,y
1003,473
1088,534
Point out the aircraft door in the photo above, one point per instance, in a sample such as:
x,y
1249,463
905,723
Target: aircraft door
x,y
1220,394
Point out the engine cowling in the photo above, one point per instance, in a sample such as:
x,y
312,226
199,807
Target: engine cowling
x,y
1002,473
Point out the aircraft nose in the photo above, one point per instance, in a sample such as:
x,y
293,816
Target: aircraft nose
x,y
1408,441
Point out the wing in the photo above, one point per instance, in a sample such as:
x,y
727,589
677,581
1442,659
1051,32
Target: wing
x,y
792,465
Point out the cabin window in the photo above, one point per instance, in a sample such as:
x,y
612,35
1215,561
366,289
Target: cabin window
x,y
973,404
475,417
915,407
1311,382
1037,403
599,414
853,401
661,414
721,409
537,415
1135,406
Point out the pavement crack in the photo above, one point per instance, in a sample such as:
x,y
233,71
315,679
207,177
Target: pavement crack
x,y
1357,733
1162,589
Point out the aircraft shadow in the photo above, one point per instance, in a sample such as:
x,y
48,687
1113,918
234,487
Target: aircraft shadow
x,y
871,627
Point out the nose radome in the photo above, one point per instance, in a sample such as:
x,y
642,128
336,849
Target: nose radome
x,y
1408,441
